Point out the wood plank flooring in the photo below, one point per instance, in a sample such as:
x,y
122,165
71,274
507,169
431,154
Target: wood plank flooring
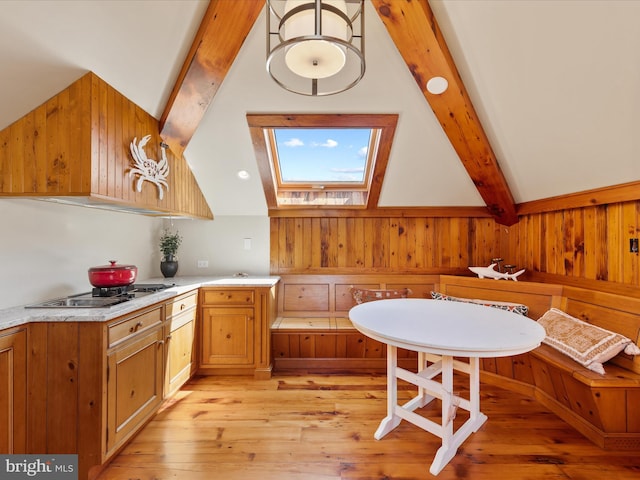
x,y
317,427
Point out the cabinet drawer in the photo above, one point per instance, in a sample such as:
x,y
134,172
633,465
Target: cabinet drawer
x,y
120,331
181,319
181,304
228,297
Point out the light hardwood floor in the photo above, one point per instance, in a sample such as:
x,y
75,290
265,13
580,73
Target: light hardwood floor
x,y
316,427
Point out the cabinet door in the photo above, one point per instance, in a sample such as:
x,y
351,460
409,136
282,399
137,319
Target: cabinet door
x,y
134,385
227,336
13,381
180,363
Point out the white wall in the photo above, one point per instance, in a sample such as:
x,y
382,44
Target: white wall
x,y
46,249
221,243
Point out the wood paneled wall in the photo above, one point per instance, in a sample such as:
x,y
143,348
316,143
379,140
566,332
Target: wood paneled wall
x,y
381,244
587,243
48,151
76,144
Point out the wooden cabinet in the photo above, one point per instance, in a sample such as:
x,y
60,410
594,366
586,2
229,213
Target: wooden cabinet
x,y
13,390
93,385
134,375
235,330
180,351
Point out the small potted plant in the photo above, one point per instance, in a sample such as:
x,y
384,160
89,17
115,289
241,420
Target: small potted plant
x,y
169,243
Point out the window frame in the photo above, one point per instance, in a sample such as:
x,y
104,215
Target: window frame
x,y
279,194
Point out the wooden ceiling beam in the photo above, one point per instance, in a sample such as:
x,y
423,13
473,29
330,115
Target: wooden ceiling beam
x,y
222,32
413,27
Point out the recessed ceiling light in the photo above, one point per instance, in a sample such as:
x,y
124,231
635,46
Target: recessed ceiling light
x,y
437,85
243,175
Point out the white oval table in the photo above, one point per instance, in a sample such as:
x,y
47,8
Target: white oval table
x,y
439,331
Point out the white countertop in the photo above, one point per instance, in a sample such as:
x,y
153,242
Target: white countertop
x,y
14,316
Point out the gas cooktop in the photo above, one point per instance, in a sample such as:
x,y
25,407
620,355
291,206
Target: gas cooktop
x,y
102,297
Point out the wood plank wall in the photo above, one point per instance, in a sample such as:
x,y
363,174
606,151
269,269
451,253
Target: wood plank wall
x,y
48,150
116,121
582,243
77,144
381,244
587,243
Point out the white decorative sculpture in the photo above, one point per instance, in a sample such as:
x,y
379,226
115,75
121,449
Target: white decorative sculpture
x,y
148,169
490,272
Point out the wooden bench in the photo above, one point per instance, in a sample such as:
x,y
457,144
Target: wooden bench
x,y
604,408
312,333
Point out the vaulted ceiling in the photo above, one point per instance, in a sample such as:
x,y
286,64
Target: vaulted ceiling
x,y
543,99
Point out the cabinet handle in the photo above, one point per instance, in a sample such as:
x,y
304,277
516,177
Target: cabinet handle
x,y
135,327
160,342
168,337
182,306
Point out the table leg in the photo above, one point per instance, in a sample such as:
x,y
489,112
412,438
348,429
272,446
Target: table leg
x,y
477,418
444,390
423,397
451,441
447,451
392,420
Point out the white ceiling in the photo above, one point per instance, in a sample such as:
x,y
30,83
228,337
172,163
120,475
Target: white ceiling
x,y
556,84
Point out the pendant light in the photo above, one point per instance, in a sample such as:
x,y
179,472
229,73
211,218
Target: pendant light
x,y
315,47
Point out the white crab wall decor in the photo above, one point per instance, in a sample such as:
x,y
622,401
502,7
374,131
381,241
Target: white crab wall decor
x,y
148,169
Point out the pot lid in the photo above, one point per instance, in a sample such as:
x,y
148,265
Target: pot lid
x,y
113,266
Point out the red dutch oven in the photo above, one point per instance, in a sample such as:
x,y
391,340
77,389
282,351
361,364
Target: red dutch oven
x,y
112,275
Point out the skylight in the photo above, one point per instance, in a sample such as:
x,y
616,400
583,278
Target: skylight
x,y
322,156
322,160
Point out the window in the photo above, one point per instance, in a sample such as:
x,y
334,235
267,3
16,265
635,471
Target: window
x,y
322,156
322,160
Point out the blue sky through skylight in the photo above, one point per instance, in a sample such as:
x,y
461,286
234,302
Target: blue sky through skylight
x,y
321,154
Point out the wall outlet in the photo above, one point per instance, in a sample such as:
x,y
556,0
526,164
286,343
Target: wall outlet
x,y
203,263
